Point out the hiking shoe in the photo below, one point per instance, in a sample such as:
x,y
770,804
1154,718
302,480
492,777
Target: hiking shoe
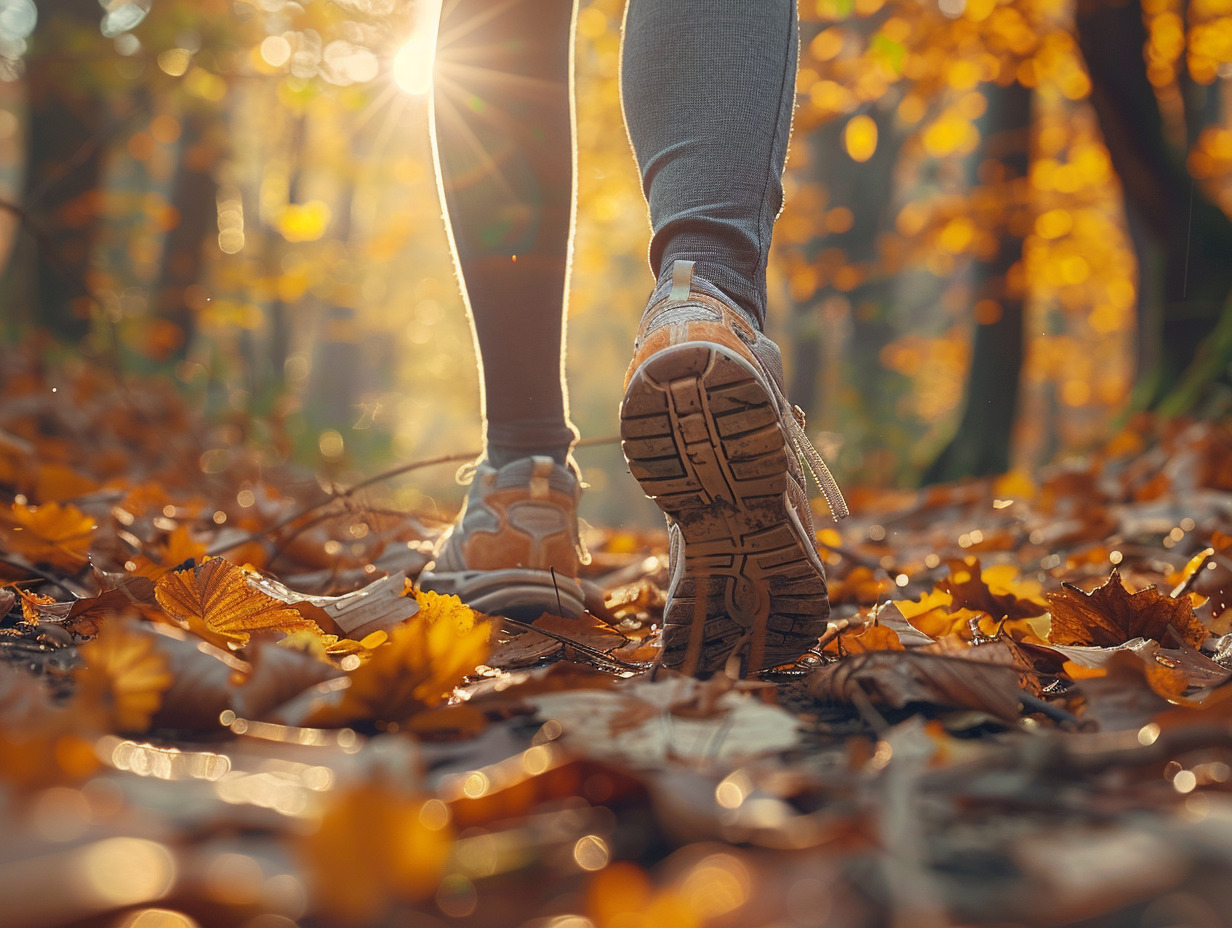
x,y
710,436
514,548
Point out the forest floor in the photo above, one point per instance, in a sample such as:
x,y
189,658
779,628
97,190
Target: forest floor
x,y
222,703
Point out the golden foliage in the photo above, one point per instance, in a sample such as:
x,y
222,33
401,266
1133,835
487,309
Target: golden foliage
x,y
216,601
375,844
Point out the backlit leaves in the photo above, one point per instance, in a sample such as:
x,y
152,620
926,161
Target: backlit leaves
x,y
374,845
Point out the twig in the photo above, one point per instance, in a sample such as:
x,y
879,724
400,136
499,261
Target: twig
x,y
593,653
46,578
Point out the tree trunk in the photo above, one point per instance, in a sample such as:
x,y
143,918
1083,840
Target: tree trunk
x,y
1193,233
982,444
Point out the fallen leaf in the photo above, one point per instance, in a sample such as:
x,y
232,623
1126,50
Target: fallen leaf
x,y
643,723
897,680
55,534
1111,615
278,675
872,637
216,601
374,844
1130,692
969,587
379,605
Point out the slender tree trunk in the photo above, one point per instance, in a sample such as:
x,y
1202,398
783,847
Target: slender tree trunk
x,y
982,444
193,195
65,148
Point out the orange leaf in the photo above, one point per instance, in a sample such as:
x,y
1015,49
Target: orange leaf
x,y
1111,615
54,534
216,601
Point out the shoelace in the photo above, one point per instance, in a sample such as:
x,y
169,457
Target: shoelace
x,y
810,458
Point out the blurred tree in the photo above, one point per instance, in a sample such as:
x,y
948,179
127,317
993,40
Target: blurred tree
x,y
68,131
1177,224
981,446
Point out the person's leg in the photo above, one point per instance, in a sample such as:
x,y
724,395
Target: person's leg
x,y
503,138
503,141
708,87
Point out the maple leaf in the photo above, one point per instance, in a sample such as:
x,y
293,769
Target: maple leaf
x,y
1110,615
216,601
124,678
417,668
54,534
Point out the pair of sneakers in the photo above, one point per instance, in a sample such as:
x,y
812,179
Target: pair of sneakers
x,y
709,435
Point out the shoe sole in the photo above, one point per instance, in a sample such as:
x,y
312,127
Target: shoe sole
x,y
700,430
521,594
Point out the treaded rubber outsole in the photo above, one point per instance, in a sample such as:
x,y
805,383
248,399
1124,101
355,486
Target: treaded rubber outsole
x,y
700,430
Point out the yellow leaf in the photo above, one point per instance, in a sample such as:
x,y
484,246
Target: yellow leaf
x,y
124,678
216,601
424,659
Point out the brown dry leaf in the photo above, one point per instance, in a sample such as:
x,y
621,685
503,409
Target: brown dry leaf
x,y
417,668
279,674
55,534
216,601
204,680
1130,692
125,676
1111,615
896,680
374,845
